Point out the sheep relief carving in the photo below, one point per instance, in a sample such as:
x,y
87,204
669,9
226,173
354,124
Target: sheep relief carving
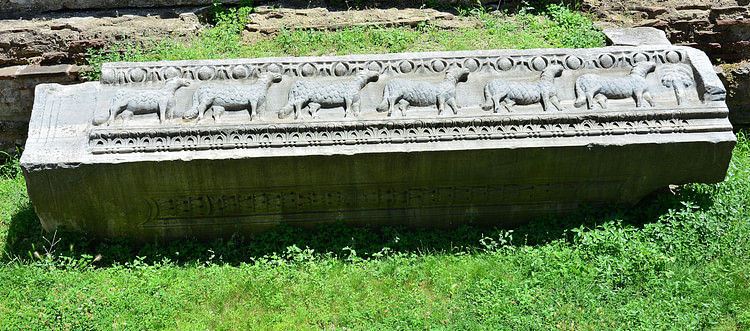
x,y
219,98
407,93
592,88
315,95
180,99
129,102
503,93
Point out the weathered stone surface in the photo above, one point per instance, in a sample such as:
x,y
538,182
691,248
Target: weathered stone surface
x,y
130,157
267,20
636,36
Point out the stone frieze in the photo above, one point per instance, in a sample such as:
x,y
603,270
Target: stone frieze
x,y
208,148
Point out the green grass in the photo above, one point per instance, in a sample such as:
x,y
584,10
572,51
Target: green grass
x,y
675,261
555,27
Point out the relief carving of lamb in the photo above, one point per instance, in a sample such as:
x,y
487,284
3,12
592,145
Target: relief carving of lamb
x,y
591,87
219,98
500,92
410,93
327,94
129,102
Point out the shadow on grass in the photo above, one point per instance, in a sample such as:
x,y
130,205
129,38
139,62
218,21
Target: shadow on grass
x,y
25,235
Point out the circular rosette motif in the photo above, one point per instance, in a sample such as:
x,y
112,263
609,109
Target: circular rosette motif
x,y
240,72
471,64
673,56
573,62
340,69
406,66
505,63
438,65
273,67
137,75
640,57
171,72
307,70
374,66
108,76
205,73
538,63
606,61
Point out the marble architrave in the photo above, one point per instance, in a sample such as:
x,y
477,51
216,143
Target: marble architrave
x,y
208,148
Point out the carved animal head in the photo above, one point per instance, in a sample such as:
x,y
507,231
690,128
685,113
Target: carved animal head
x,y
273,77
175,83
552,71
643,68
460,74
677,76
369,76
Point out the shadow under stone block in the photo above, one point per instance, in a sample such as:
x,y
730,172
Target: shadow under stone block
x,y
209,148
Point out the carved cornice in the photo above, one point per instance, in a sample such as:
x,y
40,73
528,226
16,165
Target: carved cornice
x,y
403,63
400,131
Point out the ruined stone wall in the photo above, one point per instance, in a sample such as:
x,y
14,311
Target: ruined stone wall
x,y
721,28
16,6
17,84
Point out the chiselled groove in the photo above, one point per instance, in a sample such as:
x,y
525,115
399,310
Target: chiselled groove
x,y
495,61
398,131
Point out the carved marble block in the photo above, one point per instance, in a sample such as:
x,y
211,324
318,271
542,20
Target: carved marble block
x,y
493,136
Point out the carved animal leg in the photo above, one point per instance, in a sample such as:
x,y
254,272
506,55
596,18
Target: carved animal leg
x,y
297,109
391,104
355,108
169,112
126,116
508,104
647,96
489,100
452,103
163,111
590,100
638,97
347,106
601,100
402,105
496,105
261,109
383,106
314,107
252,109
216,112
545,101
556,102
202,108
113,112
441,101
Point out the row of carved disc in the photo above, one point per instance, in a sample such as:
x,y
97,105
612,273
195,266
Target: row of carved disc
x,y
340,68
